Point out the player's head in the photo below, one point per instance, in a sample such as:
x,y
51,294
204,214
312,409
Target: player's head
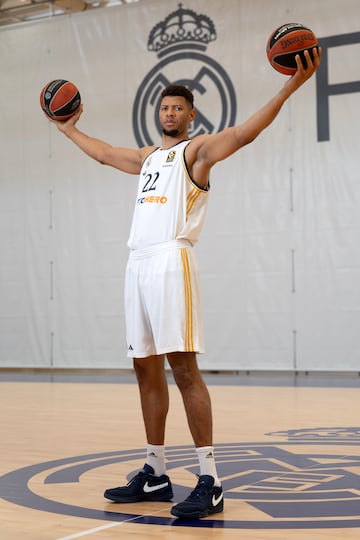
x,y
176,110
179,90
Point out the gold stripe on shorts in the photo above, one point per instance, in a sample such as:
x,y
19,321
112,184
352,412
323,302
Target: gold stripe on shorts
x,y
189,340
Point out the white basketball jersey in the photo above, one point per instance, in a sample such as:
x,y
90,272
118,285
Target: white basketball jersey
x,y
169,205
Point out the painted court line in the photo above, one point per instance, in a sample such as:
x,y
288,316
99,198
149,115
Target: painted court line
x,y
102,528
90,531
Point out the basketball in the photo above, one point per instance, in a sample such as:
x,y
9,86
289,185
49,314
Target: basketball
x,y
286,42
60,99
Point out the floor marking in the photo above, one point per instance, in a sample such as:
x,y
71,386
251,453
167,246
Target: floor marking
x,y
90,531
103,527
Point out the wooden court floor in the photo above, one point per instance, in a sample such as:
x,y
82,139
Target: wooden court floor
x,y
288,455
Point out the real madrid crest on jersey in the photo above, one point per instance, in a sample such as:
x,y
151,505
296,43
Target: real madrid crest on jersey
x,y
180,42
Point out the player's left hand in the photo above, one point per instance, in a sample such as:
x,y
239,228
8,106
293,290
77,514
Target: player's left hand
x,y
303,73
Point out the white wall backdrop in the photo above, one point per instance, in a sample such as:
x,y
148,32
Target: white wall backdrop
x,y
280,252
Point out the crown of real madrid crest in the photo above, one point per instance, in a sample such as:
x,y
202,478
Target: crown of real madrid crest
x,y
183,27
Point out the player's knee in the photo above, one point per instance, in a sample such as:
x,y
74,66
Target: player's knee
x,y
147,369
184,371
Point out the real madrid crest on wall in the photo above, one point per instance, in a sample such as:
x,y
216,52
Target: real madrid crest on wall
x,y
180,42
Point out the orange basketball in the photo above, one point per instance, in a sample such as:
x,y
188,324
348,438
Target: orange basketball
x,y
60,99
286,42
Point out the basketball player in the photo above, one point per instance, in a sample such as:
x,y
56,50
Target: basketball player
x,y
162,297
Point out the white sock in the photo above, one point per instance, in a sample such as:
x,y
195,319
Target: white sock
x,y
207,463
155,457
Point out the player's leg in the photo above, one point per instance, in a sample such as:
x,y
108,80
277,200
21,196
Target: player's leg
x,y
154,396
151,483
195,396
207,497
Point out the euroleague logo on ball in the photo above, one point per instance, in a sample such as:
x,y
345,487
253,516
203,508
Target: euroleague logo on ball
x,y
182,38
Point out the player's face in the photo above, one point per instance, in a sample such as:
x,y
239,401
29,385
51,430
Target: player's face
x,y
175,115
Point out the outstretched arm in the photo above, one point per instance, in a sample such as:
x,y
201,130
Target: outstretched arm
x,y
124,159
209,149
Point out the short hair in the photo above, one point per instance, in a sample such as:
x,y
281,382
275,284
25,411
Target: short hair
x,y
179,90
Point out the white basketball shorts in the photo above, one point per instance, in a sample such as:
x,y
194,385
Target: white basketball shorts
x,y
162,301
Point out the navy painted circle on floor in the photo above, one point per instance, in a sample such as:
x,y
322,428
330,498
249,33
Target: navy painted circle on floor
x,y
300,481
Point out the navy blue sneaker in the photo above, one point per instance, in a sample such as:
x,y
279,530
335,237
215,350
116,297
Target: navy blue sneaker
x,y
204,500
144,486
